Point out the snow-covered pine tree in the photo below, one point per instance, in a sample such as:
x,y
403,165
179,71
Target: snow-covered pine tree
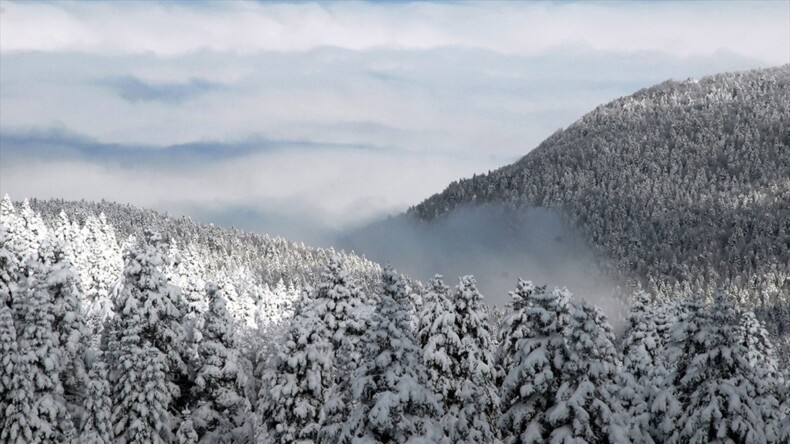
x,y
9,274
228,287
769,382
29,231
641,348
7,210
665,404
512,328
148,418
784,425
394,403
37,405
438,338
111,253
297,383
586,407
716,385
61,282
102,266
65,233
339,305
20,423
62,228
9,268
96,425
147,322
8,356
186,271
475,402
126,385
186,431
530,388
222,411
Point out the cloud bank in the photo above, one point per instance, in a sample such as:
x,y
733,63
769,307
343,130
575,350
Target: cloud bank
x,y
133,89
304,119
497,245
305,191
166,29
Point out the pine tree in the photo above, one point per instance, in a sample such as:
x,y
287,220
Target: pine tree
x,y
9,267
295,387
339,305
37,405
512,328
20,424
60,281
475,402
642,345
7,210
394,403
715,383
111,254
530,388
784,424
769,381
64,232
101,269
222,410
187,273
96,422
149,420
186,431
8,356
586,408
438,339
666,405
28,233
146,347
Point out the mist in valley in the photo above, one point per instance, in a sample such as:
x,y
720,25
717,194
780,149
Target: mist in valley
x,y
497,245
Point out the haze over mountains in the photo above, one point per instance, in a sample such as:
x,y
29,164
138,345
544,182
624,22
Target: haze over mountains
x,y
344,124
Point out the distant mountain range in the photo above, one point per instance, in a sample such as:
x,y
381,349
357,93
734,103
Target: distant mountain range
x,y
684,185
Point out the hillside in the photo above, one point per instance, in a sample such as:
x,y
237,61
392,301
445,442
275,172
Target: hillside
x,y
261,275
685,185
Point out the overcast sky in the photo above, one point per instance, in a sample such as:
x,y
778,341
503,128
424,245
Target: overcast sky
x,y
295,117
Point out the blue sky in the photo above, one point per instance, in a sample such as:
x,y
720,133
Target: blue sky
x,y
332,114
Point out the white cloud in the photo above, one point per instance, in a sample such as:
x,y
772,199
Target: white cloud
x,y
443,90
750,29
452,100
329,189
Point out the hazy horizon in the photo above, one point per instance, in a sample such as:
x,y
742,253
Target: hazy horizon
x,y
305,120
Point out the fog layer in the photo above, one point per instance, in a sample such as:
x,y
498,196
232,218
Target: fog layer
x,y
497,245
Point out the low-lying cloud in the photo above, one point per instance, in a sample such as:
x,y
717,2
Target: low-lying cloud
x,y
133,89
497,245
258,185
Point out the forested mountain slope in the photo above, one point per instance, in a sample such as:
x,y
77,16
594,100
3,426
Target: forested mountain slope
x,y
270,258
685,185
260,275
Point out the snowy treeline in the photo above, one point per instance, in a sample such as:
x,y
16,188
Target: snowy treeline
x,y
260,276
262,259
392,364
685,186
